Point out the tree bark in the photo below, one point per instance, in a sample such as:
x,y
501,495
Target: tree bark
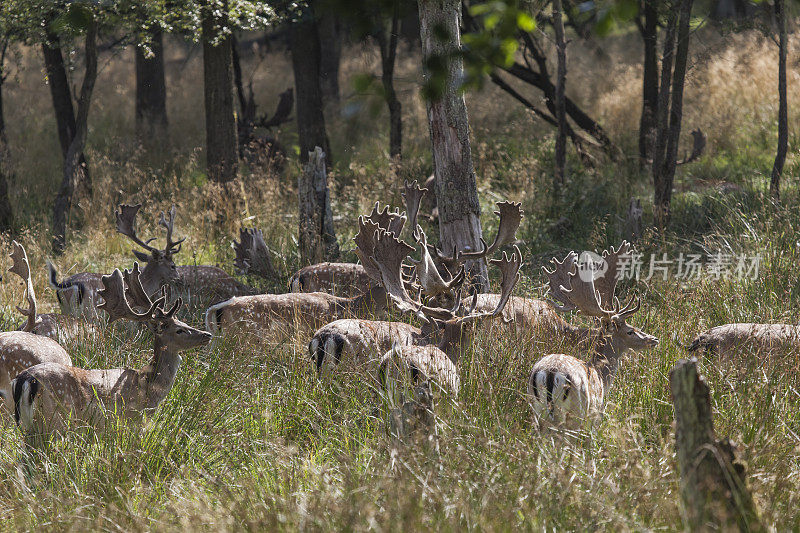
x,y
713,481
666,175
783,119
317,238
6,214
330,39
649,32
73,169
221,139
388,48
306,65
456,188
151,92
62,100
561,115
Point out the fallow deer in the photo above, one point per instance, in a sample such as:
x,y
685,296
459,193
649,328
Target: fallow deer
x,y
22,349
729,339
78,294
444,334
56,326
563,389
48,394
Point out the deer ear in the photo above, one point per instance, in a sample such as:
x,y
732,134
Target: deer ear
x,y
141,256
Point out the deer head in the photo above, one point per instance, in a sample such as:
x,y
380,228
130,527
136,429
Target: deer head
x,y
590,291
159,266
22,268
125,298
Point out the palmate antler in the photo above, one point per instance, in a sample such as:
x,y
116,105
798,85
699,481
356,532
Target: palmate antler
x,y
173,247
392,222
412,196
22,268
510,214
591,293
429,277
123,292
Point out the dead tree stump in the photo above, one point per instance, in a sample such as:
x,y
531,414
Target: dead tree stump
x,y
317,239
712,480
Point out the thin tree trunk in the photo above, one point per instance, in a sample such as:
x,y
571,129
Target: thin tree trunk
x,y
317,238
62,101
6,214
663,188
221,138
305,63
647,123
783,119
151,92
330,40
561,115
456,188
713,482
388,49
72,162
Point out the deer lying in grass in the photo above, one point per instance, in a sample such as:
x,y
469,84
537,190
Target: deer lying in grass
x,y
48,394
563,389
728,339
57,327
22,349
78,294
430,352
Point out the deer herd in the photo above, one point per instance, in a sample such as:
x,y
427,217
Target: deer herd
x,y
345,310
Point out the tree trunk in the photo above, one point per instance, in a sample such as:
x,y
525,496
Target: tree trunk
x,y
783,119
649,33
456,188
6,214
221,138
561,115
62,100
666,175
151,92
73,168
317,238
713,482
305,63
388,48
330,41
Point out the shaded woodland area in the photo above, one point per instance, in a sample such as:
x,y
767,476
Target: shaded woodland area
x,y
322,264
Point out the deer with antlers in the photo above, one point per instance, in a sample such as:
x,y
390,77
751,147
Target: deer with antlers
x,y
55,326
78,294
427,353
48,394
28,346
564,389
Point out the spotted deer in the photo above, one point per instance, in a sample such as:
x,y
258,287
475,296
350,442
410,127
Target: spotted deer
x,y
78,294
25,348
50,393
565,390
729,339
56,326
429,352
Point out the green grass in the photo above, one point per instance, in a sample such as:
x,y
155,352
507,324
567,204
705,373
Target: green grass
x,y
251,439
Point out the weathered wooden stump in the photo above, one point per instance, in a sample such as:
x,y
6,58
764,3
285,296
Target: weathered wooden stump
x,y
713,482
317,238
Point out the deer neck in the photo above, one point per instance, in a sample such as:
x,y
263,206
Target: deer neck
x,y
159,375
605,359
578,335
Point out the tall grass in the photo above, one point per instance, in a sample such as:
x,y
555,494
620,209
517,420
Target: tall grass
x,y
250,437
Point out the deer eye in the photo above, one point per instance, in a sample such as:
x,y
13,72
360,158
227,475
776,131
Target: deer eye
x,y
630,332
